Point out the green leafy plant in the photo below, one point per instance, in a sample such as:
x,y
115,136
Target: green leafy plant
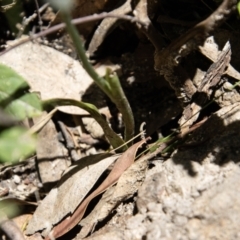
x,y
16,104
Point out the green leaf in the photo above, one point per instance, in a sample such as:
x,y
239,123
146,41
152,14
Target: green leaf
x,y
14,96
15,143
238,8
8,208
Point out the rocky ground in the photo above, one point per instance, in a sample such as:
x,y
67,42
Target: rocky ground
x,y
189,191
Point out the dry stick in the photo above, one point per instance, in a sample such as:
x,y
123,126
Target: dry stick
x,y
205,89
69,143
94,17
76,145
167,61
26,21
3,8
212,10
38,13
130,140
186,43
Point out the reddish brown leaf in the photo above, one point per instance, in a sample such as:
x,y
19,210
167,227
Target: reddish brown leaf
x,y
120,166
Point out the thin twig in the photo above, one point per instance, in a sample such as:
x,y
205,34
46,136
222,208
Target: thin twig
x,y
94,17
69,141
38,14
26,21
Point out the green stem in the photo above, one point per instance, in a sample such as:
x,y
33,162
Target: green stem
x,y
110,86
101,82
113,138
122,103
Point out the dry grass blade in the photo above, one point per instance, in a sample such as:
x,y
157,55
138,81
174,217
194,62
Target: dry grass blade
x,y
40,124
120,166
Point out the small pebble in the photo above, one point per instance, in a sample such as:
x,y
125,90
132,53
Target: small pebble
x,y
16,179
26,181
21,188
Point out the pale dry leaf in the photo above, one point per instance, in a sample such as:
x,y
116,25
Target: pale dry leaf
x,y
41,123
128,184
21,222
36,236
49,72
72,188
55,75
120,166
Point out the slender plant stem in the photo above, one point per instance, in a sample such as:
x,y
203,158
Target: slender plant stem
x,y
123,105
109,85
81,52
76,21
113,138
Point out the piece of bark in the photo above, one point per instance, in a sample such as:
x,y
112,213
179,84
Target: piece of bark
x,y
205,89
167,60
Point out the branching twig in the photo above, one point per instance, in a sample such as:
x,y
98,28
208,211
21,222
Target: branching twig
x,y
38,14
82,20
26,21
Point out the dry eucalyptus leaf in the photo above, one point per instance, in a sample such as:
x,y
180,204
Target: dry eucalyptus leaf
x,y
120,166
66,196
41,123
49,72
128,184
